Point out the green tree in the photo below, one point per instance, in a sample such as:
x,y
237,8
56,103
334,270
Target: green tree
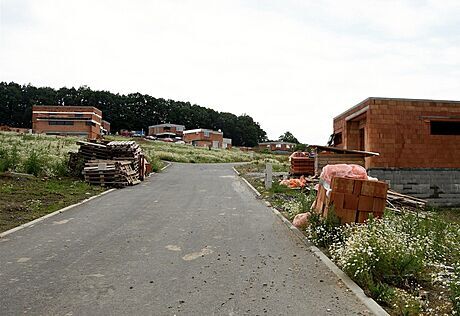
x,y
288,137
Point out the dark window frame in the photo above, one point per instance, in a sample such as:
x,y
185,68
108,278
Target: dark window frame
x,y
445,128
68,123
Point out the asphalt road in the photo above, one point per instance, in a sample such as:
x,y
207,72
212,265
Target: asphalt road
x,y
193,240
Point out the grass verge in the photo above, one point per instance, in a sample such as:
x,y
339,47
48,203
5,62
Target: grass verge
x,y
24,198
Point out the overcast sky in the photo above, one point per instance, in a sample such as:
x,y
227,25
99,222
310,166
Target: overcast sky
x,y
291,65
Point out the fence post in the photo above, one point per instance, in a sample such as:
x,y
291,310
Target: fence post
x,y
268,176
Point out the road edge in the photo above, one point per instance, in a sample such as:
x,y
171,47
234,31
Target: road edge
x,y
37,220
355,288
168,164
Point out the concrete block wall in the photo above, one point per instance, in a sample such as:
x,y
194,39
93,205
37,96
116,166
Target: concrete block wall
x,y
439,186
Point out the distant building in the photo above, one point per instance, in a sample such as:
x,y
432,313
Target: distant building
x,y
67,120
167,130
204,138
105,127
277,147
227,143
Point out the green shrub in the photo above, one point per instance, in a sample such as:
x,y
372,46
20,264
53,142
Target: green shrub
x,y
156,163
60,167
34,164
9,159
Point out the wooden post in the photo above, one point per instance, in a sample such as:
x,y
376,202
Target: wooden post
x,y
268,176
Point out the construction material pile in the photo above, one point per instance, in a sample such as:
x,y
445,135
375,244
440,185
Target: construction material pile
x,y
116,163
398,201
348,190
302,164
117,173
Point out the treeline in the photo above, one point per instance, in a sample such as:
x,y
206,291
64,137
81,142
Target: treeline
x,y
133,111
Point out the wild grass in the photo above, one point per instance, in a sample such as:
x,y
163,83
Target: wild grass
x,y
39,155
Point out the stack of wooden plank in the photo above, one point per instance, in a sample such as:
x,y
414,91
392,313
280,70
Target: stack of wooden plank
x,y
353,200
126,150
91,151
398,201
302,164
116,163
116,173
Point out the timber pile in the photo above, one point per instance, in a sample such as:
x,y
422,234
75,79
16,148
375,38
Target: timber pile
x,y
117,173
116,163
91,151
401,201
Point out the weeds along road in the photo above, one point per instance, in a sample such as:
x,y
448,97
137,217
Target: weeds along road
x,y
190,241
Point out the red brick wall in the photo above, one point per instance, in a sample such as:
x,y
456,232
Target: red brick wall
x,y
399,129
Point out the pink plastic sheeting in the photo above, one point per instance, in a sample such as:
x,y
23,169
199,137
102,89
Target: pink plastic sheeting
x,y
301,220
343,170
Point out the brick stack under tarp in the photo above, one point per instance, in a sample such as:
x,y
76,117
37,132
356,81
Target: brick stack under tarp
x,y
116,163
352,200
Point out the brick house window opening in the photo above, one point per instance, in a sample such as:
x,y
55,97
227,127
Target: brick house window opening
x,y
337,139
278,145
60,122
445,128
206,133
89,123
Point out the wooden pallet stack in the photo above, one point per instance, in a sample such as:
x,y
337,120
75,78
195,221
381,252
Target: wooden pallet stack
x,y
116,163
116,173
353,200
126,150
90,151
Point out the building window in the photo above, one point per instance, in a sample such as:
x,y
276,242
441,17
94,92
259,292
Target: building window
x,y
78,115
60,122
337,139
206,133
445,128
278,146
89,123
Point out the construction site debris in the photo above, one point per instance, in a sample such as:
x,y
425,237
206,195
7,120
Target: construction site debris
x,y
301,220
343,171
398,201
294,183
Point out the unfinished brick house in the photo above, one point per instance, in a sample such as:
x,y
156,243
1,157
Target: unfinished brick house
x,y
418,142
67,120
204,138
167,130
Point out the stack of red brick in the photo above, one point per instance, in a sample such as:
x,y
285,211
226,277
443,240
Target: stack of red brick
x,y
302,164
353,200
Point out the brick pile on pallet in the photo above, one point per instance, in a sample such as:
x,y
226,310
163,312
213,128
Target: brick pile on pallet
x,y
352,200
302,164
117,173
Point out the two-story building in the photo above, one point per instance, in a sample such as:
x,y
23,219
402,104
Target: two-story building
x,y
204,138
167,130
83,121
418,141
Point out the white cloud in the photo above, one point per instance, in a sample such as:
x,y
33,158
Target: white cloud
x,y
291,65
